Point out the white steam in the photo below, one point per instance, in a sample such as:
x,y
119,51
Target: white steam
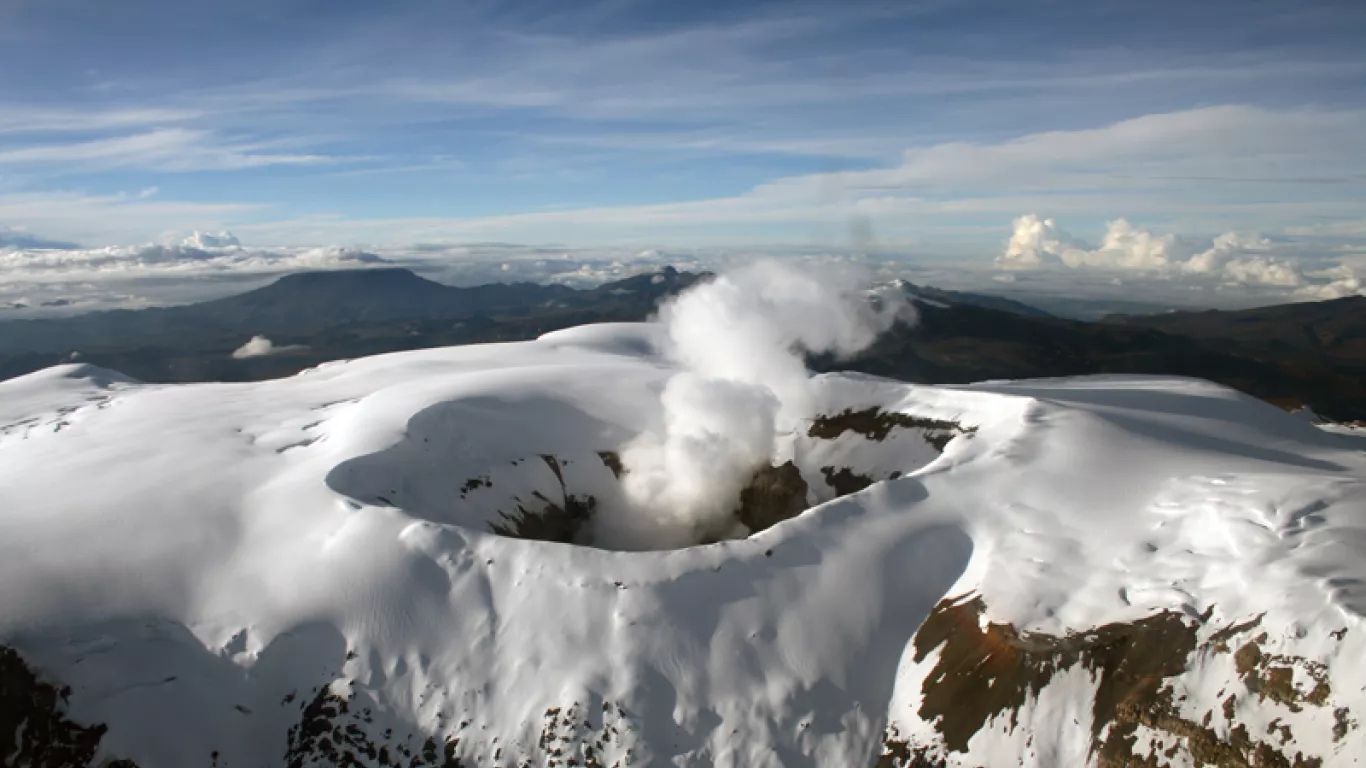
x,y
260,346
739,343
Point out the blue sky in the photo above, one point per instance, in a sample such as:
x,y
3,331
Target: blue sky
x,y
921,128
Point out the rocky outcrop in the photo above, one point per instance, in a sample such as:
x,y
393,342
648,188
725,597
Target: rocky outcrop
x,y
986,673
876,424
34,729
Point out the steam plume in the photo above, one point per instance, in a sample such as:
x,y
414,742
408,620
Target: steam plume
x,y
739,342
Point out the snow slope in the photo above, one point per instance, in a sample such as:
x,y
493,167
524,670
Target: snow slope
x,y
234,574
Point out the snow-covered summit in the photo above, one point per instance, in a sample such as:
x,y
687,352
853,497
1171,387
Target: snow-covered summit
x,y
327,570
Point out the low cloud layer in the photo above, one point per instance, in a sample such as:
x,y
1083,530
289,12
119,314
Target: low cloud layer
x,y
1130,267
38,278
209,265
207,255
1231,258
199,255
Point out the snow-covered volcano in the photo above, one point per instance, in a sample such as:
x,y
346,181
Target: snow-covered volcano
x,y
331,569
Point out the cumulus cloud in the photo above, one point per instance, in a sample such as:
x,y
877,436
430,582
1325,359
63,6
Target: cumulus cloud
x,y
1033,239
1225,249
1342,281
1263,271
1232,258
1124,246
211,240
260,346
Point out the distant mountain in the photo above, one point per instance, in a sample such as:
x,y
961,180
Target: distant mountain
x,y
1093,309
1334,328
1293,355
321,316
312,302
984,300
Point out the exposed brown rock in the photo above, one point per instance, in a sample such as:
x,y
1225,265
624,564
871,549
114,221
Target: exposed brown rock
x,y
475,483
612,460
550,522
774,495
330,732
1272,676
982,674
876,424
1219,640
1342,723
985,673
845,481
554,464
34,729
545,520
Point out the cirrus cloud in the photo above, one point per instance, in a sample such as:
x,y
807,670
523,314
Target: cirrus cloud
x,y
163,149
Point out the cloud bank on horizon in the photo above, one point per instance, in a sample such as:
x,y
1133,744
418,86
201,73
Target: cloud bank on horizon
x,y
1231,258
420,132
1040,260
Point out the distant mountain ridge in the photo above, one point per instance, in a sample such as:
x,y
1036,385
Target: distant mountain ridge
x,y
1336,328
984,300
310,302
1312,354
1298,354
